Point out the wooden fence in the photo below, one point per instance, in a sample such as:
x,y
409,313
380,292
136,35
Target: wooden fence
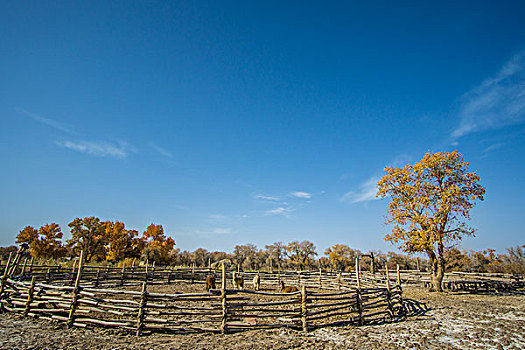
x,y
133,302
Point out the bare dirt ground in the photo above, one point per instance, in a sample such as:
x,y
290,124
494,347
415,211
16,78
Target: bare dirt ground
x,y
434,321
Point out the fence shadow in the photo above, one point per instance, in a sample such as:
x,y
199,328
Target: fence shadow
x,y
414,308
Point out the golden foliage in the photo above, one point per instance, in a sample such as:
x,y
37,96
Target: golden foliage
x,y
341,256
429,199
301,253
156,246
428,203
88,234
121,243
45,243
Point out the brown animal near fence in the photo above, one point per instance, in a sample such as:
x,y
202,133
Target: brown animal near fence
x,y
257,281
288,289
238,281
210,282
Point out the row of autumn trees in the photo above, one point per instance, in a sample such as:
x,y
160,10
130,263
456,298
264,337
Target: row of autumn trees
x,y
100,240
113,243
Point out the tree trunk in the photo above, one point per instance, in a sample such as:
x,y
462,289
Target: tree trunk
x,y
437,270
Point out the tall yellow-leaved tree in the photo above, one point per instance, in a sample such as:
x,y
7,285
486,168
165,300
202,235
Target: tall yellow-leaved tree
x,y
429,204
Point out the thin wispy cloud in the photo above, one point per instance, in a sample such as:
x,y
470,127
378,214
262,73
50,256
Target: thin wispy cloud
x,y
222,219
282,211
267,198
162,151
305,195
205,232
367,192
499,101
218,217
47,121
99,149
222,231
488,150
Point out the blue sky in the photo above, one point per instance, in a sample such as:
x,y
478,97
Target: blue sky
x,y
255,122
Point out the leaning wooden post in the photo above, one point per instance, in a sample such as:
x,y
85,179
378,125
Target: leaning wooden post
x,y
304,311
73,271
224,306
76,291
16,260
320,279
24,267
142,309
4,277
358,293
30,294
31,264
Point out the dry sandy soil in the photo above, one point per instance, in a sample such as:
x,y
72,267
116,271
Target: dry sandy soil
x,y
434,321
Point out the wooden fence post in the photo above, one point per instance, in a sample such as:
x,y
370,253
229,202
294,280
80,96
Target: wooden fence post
x,y
223,279
388,293
304,311
123,274
30,294
359,299
98,278
320,279
73,272
224,311
387,278
4,277
24,266
398,277
224,306
31,264
76,291
142,307
400,290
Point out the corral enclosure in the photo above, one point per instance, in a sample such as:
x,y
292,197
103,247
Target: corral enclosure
x,y
165,299
146,299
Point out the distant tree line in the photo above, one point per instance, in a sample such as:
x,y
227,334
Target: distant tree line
x,y
112,243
